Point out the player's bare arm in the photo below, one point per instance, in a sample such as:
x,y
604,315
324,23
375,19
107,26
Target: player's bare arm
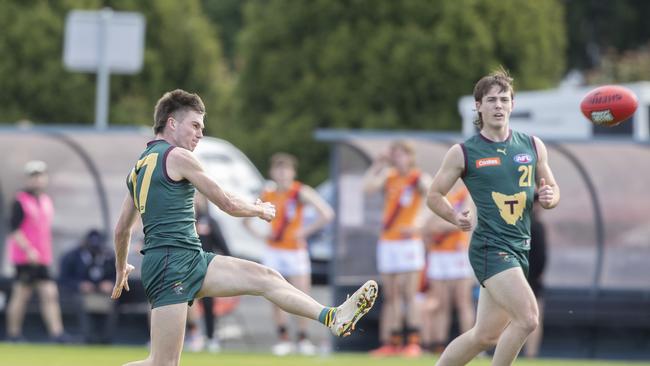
x,y
182,164
375,176
309,196
548,189
451,169
128,215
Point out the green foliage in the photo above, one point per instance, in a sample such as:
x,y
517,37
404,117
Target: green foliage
x,y
180,52
294,65
594,28
380,64
615,67
227,16
35,85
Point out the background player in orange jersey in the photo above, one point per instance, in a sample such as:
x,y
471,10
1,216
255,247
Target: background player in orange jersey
x,y
287,243
400,251
449,273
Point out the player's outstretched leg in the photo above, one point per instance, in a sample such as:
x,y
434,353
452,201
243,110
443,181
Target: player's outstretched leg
x,y
228,276
348,314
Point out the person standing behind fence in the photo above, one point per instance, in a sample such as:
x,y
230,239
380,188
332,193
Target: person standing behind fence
x,y
400,251
30,248
450,274
287,245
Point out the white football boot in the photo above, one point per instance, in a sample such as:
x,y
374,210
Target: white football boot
x,y
348,314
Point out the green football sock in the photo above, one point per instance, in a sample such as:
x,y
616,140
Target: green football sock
x,y
327,316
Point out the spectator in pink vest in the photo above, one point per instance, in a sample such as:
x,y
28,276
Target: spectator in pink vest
x,y
30,248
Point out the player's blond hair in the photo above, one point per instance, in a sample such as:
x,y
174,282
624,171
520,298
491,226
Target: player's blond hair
x,y
499,77
407,147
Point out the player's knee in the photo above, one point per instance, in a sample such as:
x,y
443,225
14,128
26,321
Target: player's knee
x,y
530,322
267,278
486,339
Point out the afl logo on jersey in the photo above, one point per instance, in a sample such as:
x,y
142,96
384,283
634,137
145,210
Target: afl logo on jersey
x,y
523,158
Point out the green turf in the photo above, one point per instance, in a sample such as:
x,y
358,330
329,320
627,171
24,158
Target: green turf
x,y
47,355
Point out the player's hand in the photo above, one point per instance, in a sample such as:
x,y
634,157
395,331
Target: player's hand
x,y
464,220
268,210
545,193
122,281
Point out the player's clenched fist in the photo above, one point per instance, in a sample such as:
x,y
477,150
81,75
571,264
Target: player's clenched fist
x,y
267,210
464,220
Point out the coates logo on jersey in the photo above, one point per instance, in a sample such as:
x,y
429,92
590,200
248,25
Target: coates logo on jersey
x,y
523,158
482,163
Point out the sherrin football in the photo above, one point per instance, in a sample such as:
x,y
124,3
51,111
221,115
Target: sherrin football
x,y
609,105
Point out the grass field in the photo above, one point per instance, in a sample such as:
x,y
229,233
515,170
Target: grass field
x,y
48,355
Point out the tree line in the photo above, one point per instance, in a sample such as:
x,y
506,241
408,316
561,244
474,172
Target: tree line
x,y
271,71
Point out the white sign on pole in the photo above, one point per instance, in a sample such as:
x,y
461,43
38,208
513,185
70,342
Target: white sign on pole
x,y
103,41
124,40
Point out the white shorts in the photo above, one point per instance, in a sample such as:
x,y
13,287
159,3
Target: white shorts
x,y
289,262
397,256
449,266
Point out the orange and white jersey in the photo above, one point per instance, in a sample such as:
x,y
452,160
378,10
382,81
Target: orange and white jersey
x,y
288,218
403,201
452,241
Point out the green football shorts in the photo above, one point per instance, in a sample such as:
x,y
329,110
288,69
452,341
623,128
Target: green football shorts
x,y
489,258
173,275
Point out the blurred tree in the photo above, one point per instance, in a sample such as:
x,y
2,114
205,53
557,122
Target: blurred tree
x,y
35,86
227,16
625,67
594,27
182,51
379,64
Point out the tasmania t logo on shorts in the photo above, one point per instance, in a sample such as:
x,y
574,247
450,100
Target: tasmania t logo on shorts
x,y
481,163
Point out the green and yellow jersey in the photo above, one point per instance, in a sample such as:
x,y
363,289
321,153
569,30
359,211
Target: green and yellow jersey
x,y
501,179
166,206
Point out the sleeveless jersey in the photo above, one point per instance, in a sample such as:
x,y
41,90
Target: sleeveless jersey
x,y
500,176
166,206
456,240
288,217
403,202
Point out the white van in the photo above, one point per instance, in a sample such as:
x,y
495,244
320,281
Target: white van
x,y
234,172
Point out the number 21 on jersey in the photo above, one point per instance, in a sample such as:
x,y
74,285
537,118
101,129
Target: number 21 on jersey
x,y
148,163
526,177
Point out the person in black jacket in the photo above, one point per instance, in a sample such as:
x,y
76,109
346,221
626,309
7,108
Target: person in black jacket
x,y
537,260
88,272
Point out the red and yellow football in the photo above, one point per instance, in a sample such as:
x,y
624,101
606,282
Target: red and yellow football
x,y
609,105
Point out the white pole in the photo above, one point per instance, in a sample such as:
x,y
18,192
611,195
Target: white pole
x,y
103,73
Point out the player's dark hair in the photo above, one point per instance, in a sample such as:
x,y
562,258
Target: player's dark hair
x,y
172,104
499,77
